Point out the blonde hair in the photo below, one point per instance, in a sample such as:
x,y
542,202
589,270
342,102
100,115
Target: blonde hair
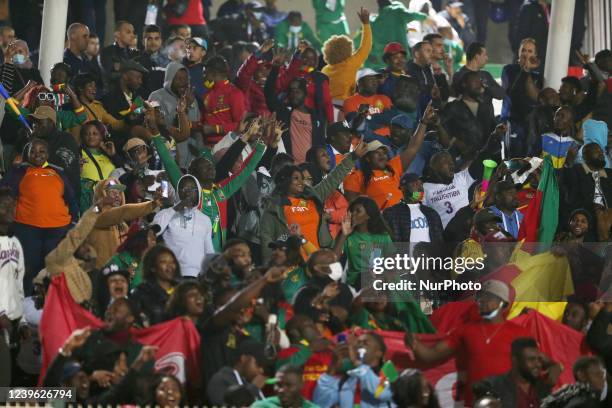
x,y
337,49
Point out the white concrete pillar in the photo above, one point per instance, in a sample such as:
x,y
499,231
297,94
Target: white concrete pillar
x,y
52,36
559,42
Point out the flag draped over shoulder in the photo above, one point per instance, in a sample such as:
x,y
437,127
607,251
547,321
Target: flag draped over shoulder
x,y
178,340
542,214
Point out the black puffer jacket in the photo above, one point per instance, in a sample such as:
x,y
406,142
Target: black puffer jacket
x,y
151,300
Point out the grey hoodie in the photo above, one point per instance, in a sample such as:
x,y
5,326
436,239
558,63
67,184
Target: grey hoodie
x,y
168,102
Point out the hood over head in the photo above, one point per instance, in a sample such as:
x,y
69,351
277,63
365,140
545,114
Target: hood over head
x,y
199,206
171,71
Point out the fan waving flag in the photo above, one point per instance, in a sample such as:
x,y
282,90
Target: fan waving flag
x,y
178,340
542,214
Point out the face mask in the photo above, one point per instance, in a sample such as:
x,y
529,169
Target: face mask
x,y
604,392
295,29
19,59
336,271
258,15
418,195
494,313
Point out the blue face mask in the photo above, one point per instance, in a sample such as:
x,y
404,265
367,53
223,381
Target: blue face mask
x,y
19,59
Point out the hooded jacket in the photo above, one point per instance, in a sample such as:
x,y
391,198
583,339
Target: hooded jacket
x,y
168,101
62,260
110,228
188,233
273,224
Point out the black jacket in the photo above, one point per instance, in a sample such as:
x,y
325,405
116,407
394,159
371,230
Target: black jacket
x,y
531,23
426,80
504,388
283,113
598,338
221,381
151,300
64,152
577,190
14,78
399,220
154,80
459,122
111,58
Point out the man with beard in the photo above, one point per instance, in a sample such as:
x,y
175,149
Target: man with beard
x,y
420,69
481,347
153,59
523,385
505,207
467,118
587,185
238,255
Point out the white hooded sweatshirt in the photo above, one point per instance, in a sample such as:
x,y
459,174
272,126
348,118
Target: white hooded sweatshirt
x,y
187,233
12,271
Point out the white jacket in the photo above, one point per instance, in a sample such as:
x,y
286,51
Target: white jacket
x,y
12,271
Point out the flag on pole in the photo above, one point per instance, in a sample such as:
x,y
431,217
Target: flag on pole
x,y
387,375
542,214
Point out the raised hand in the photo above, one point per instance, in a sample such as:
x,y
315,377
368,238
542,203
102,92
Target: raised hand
x,y
364,15
76,339
279,56
266,46
302,45
276,274
347,225
430,116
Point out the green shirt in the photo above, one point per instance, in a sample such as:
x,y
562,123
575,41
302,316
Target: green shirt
x,y
124,260
366,320
390,25
211,199
359,248
330,22
273,402
65,119
286,39
293,282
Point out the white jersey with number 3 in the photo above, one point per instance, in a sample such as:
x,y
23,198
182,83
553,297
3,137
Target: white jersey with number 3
x,y
447,199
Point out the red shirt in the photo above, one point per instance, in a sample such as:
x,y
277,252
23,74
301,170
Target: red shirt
x,y
483,350
527,399
194,15
254,94
224,106
294,70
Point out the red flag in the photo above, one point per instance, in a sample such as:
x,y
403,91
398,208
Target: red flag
x,y
178,340
560,342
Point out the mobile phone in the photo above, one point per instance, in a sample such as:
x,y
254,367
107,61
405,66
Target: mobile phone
x,y
165,188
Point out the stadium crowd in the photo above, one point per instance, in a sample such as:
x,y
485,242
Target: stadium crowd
x,y
189,215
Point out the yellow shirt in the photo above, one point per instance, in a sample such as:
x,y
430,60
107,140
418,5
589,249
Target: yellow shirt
x,y
89,170
342,75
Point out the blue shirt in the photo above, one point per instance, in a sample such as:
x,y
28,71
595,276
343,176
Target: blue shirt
x,y
510,224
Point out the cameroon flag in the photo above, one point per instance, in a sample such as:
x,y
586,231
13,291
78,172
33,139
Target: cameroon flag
x,y
542,214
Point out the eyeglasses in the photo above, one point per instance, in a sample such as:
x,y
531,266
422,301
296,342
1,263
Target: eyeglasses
x,y
46,96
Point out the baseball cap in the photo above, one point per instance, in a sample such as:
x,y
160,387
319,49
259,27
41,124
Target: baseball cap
x,y
393,48
113,269
255,349
409,178
455,4
131,65
70,369
132,143
114,185
365,72
254,5
375,145
44,112
497,288
199,41
486,215
337,127
404,121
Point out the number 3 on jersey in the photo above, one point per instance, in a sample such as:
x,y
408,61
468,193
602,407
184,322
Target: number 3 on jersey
x,y
449,207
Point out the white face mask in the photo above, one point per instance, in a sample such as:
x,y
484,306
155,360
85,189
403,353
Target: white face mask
x,y
336,271
494,313
604,392
257,14
295,29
